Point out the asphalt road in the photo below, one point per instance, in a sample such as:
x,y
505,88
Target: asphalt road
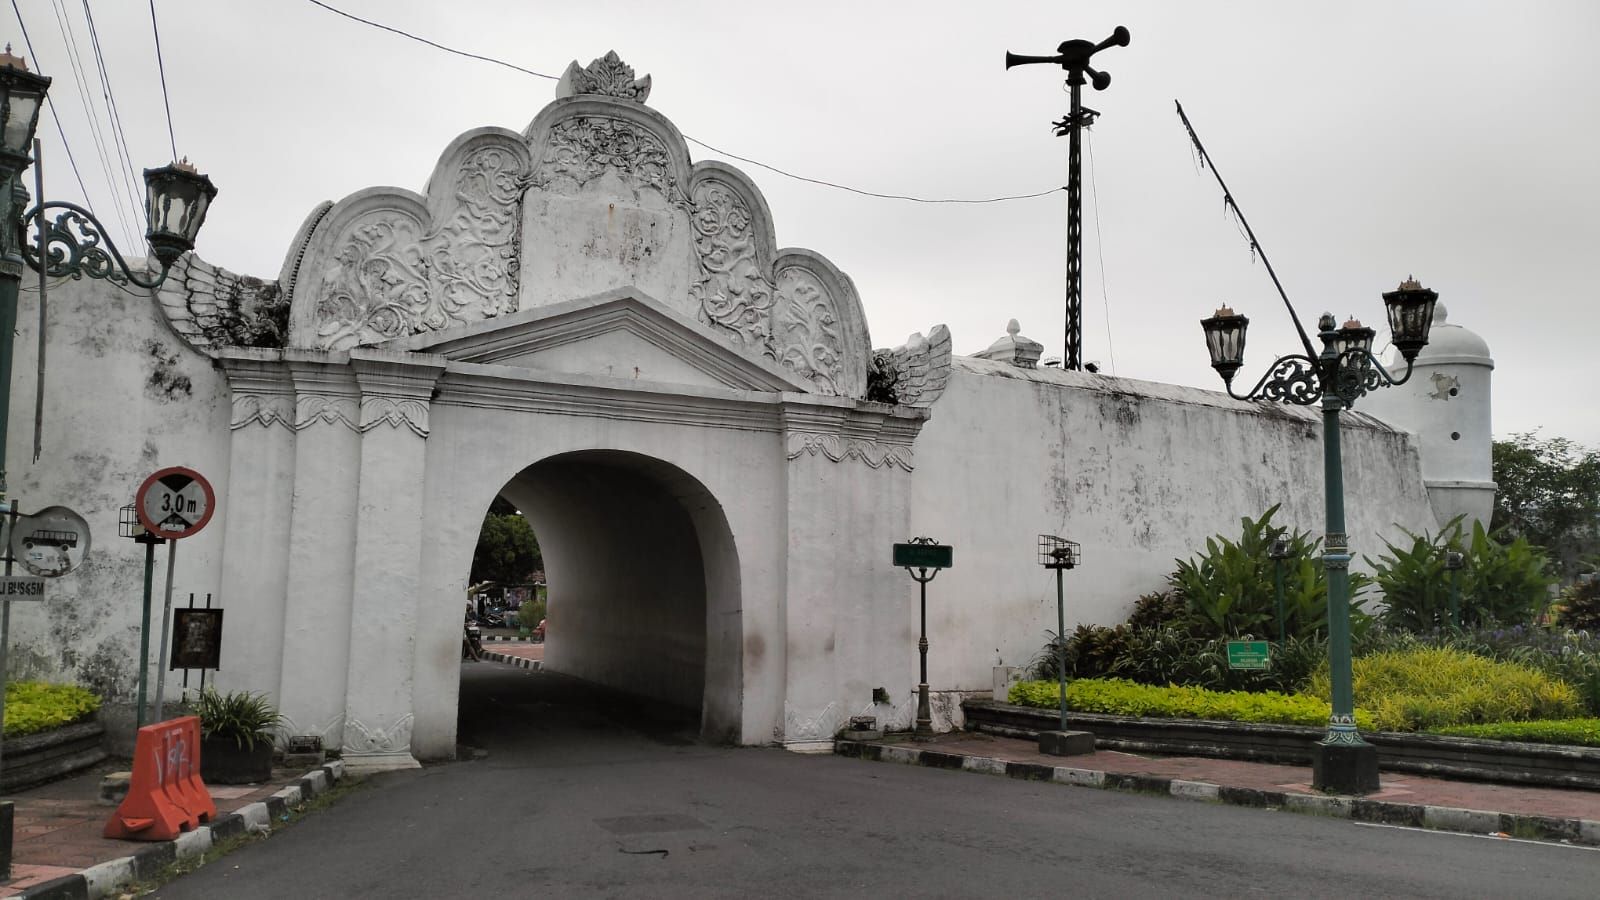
x,y
585,795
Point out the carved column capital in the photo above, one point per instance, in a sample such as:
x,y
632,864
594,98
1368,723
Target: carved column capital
x,y
396,388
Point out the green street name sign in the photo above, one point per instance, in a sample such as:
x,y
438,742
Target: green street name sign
x,y
923,556
1249,654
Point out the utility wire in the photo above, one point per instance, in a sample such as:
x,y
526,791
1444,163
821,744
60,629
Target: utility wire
x,y
162,68
1099,249
85,100
117,131
744,159
28,42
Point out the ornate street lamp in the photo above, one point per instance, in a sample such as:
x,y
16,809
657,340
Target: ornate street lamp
x,y
1342,373
75,243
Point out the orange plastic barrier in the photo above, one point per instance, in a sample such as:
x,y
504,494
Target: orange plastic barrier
x,y
165,796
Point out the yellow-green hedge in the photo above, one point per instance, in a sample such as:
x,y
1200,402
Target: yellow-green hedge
x,y
1580,732
34,706
1430,688
1116,696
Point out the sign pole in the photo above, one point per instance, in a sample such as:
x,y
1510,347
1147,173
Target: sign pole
x,y
1061,643
925,555
166,627
144,628
5,649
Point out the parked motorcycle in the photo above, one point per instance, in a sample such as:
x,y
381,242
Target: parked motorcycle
x,y
471,641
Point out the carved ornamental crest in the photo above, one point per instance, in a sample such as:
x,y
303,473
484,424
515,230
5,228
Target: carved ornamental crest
x,y
607,76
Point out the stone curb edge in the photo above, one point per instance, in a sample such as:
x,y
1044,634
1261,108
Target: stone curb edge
x,y
1442,818
534,664
489,639
105,879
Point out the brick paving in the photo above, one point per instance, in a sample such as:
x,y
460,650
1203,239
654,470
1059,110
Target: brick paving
x,y
57,827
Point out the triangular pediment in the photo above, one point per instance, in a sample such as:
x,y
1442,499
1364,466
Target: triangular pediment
x,y
622,333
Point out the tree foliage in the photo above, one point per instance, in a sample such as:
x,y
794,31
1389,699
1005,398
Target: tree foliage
x,y
1549,493
507,550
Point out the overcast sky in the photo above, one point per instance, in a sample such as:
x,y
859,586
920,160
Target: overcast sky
x,y
1365,141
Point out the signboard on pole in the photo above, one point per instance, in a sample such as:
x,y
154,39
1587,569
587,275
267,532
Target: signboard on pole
x,y
51,542
1249,654
21,587
175,502
923,556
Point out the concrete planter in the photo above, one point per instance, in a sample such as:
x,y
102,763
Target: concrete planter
x,y
50,755
222,761
1424,754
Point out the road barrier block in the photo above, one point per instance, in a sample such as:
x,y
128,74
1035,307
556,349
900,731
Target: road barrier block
x,y
165,795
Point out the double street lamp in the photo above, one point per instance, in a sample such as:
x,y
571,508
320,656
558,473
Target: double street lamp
x,y
75,243
1344,371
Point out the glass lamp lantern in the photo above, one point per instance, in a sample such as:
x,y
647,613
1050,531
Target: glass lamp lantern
x,y
1410,310
1225,340
21,97
177,199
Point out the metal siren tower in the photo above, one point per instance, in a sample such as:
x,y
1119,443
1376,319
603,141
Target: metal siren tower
x,y
1073,56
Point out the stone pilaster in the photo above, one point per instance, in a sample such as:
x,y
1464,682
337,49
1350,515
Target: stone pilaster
x,y
322,543
395,394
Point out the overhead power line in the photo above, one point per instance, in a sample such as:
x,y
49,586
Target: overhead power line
x,y
754,162
161,66
71,160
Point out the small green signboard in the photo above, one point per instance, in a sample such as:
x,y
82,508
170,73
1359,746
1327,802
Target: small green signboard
x,y
1249,654
923,556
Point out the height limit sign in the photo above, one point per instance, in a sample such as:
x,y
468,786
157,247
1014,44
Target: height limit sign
x,y
175,503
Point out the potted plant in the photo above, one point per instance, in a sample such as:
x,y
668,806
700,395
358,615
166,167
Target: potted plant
x,y
236,736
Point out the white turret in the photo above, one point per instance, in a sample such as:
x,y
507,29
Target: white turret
x,y
1446,404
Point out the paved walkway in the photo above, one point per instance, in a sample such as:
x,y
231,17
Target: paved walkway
x,y
58,826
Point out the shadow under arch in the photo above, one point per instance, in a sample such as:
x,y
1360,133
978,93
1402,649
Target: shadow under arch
x,y
643,577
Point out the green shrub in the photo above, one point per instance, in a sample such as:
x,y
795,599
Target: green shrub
x,y
35,706
1501,584
1229,590
1436,687
1158,610
240,716
1116,696
1578,732
1580,606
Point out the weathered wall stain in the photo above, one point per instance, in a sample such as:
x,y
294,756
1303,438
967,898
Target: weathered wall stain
x,y
166,382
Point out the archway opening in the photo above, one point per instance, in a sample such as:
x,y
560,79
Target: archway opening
x,y
642,583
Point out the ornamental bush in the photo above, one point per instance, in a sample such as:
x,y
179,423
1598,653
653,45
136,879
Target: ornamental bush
x,y
1437,687
1501,585
35,706
1578,732
1120,697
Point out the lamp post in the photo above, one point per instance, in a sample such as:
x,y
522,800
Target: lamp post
x,y
1278,551
1342,373
75,243
1454,562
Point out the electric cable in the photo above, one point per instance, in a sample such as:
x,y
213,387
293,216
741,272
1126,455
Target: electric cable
x,y
71,160
130,181
1099,249
161,67
85,101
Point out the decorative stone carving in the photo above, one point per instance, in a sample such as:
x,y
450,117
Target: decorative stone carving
x,y
807,332
362,738
394,412
608,76
377,285
471,253
734,293
310,409
839,448
914,374
264,410
582,149
1015,349
820,725
213,307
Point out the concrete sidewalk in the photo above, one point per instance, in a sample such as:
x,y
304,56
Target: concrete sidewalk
x,y
58,850
1569,816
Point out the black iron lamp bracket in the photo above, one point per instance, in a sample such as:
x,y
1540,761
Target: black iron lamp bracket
x,y
75,244
1302,381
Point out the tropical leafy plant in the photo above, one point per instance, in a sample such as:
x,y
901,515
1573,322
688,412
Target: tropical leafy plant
x,y
1580,606
240,716
1501,584
1229,590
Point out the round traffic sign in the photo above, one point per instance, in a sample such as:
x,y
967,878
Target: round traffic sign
x,y
175,502
51,542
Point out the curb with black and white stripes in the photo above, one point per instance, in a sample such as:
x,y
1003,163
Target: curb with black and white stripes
x,y
507,637
107,879
1381,812
519,662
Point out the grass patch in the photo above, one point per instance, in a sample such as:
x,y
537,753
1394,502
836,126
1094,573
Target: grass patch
x,y
1574,732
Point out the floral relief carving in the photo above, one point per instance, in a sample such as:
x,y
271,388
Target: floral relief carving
x,y
362,738
838,449
471,253
608,76
584,148
377,286
734,294
807,332
376,411
265,411
310,409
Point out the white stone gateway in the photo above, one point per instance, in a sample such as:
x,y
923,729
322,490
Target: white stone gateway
x,y
716,462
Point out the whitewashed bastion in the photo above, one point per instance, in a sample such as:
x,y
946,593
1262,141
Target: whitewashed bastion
x,y
716,461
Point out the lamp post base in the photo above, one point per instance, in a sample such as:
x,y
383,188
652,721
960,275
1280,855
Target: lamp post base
x,y
1344,768
924,727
